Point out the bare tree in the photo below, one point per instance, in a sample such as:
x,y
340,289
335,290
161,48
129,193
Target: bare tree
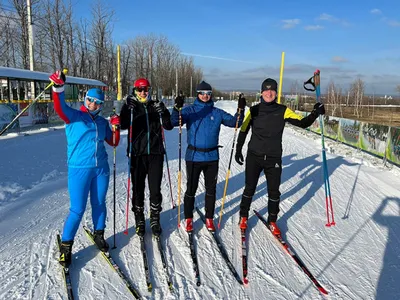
x,y
87,49
357,94
101,30
8,39
334,98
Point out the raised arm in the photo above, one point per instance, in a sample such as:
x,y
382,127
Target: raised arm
x,y
66,113
296,120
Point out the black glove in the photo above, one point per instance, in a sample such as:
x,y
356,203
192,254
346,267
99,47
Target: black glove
x,y
241,102
160,107
179,102
319,109
131,101
239,157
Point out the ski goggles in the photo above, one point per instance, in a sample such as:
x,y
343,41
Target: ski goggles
x,y
142,89
95,100
208,93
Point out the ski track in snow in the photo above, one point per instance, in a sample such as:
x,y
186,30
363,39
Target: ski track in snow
x,y
356,259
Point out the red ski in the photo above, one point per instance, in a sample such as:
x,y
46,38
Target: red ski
x,y
289,251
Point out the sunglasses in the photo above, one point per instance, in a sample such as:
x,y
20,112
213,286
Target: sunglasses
x,y
142,89
208,93
95,100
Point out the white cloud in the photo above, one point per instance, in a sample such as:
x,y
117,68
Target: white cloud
x,y
326,17
339,59
218,58
393,23
291,23
390,22
313,27
376,11
329,18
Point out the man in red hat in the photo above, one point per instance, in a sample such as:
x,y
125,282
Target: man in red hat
x,y
147,151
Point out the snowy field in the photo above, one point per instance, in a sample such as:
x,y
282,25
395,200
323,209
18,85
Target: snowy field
x,y
356,259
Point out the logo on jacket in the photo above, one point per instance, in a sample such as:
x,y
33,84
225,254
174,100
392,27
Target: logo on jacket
x,y
276,165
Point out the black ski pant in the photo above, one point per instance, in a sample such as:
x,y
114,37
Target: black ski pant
x,y
152,167
272,167
193,171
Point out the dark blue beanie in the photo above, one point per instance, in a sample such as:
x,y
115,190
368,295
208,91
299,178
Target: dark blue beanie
x,y
203,86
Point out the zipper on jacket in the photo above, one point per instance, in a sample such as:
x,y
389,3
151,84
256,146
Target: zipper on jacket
x,y
265,157
97,135
148,131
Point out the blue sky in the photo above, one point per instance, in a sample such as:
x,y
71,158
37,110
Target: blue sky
x,y
239,43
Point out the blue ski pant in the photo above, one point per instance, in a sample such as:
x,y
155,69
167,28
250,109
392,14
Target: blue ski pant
x,y
81,181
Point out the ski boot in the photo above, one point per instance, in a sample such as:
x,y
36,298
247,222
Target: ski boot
x,y
66,253
100,241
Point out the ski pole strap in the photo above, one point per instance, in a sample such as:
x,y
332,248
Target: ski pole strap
x,y
309,81
314,81
191,147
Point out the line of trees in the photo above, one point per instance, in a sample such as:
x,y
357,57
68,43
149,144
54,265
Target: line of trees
x,y
87,48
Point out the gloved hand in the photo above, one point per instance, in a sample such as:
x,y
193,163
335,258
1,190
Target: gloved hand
x,y
131,101
179,102
160,107
241,102
319,109
239,157
115,121
58,78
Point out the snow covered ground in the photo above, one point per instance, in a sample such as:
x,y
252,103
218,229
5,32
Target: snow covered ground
x,y
356,259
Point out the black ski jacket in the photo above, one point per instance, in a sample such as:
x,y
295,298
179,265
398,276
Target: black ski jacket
x,y
267,121
146,128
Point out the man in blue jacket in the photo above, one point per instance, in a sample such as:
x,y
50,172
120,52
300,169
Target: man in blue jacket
x,y
203,123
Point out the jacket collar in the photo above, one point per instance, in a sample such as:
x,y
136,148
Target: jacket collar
x,y
83,108
200,103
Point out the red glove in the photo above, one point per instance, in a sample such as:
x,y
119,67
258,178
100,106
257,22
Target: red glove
x,y
115,120
58,78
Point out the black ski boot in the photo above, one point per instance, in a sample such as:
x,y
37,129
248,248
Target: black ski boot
x,y
140,223
155,224
100,241
66,253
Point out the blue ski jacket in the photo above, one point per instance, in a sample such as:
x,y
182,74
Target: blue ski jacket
x,y
85,133
203,123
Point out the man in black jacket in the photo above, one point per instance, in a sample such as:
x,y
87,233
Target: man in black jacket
x,y
267,120
147,151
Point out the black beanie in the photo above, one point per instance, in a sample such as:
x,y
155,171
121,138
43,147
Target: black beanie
x,y
203,86
269,84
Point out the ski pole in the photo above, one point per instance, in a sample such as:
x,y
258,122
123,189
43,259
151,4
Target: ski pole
x,y
229,169
166,160
129,173
65,71
115,174
315,82
179,168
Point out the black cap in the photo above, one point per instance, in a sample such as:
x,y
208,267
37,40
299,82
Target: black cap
x,y
203,86
269,84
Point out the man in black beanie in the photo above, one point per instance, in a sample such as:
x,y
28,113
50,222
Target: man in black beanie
x,y
267,120
203,122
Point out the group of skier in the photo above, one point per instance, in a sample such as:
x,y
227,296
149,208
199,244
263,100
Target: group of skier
x,y
145,118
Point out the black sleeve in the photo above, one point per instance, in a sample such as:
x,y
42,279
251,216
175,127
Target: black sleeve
x,y
125,117
166,120
244,130
305,122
